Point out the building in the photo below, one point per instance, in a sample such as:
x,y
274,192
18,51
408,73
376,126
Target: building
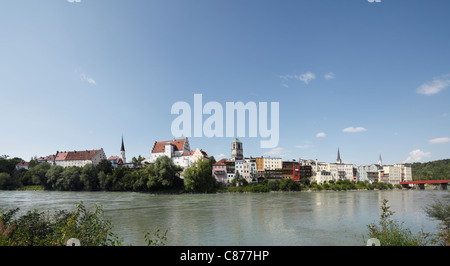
x,y
178,150
198,154
50,159
231,170
368,173
219,171
325,172
247,169
271,163
394,174
259,164
121,160
22,165
237,150
291,170
79,158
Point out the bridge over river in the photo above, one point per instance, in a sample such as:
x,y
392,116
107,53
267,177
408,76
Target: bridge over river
x,y
421,184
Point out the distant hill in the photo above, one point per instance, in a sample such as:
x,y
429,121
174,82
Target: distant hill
x,y
431,170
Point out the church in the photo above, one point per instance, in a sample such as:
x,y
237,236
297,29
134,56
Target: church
x,y
120,161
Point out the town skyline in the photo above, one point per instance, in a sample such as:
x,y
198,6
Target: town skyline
x,y
367,78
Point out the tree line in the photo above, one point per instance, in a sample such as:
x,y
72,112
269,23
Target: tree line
x,y
435,170
161,176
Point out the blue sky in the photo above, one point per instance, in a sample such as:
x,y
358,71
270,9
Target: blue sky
x,y
368,78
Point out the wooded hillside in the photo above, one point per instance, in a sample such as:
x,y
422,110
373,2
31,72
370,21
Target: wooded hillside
x,y
431,170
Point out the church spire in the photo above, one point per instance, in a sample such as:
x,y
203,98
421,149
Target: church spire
x,y
380,162
338,160
123,146
122,153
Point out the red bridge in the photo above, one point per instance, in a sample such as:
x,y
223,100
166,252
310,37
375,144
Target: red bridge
x,y
421,184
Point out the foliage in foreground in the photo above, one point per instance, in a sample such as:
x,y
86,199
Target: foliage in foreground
x,y
441,211
391,232
42,229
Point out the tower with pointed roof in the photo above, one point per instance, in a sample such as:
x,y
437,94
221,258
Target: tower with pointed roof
x,y
338,160
380,162
122,153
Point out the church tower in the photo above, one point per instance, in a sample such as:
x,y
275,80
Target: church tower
x,y
237,151
338,160
122,153
380,162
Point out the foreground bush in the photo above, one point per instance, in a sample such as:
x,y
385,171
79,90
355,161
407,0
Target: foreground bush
x,y
40,229
391,233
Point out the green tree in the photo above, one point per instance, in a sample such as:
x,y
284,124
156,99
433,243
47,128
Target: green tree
x,y
71,177
89,177
8,165
38,174
163,174
289,185
273,185
238,180
199,178
4,180
55,178
103,181
104,166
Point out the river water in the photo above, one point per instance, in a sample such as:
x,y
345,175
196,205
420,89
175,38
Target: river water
x,y
243,219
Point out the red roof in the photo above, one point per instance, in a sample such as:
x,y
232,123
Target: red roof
x,y
76,155
221,162
61,156
160,146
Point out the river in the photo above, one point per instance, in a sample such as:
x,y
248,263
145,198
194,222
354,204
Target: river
x,y
243,219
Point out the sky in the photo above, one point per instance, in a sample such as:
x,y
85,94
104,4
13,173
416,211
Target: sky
x,y
367,78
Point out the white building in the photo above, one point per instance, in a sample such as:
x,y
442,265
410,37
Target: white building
x,y
178,150
79,158
396,173
271,163
331,171
246,168
368,173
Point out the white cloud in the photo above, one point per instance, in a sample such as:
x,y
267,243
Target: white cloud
x,y
220,155
306,77
416,156
329,76
439,140
71,1
435,86
321,135
88,79
277,152
303,146
354,129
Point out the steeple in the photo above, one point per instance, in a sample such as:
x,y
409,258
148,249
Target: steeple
x,y
122,153
338,160
123,146
380,162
